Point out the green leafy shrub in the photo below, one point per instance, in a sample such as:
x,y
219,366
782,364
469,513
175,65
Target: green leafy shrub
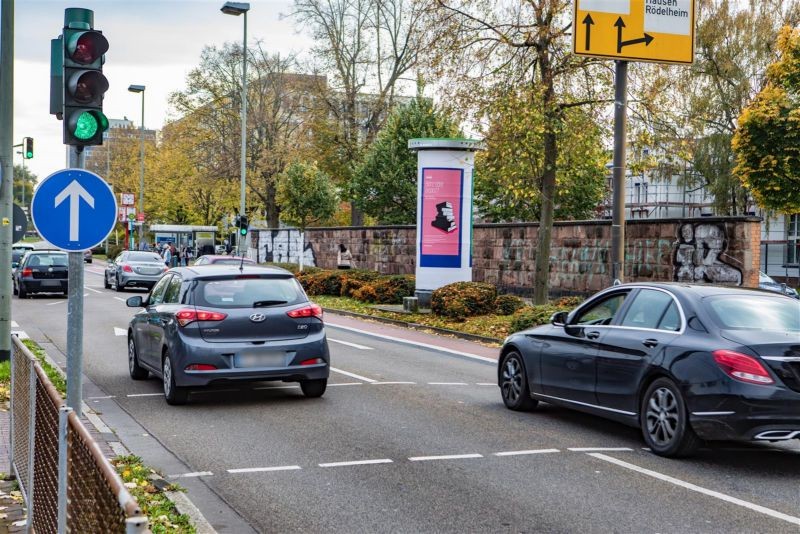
x,y
531,316
507,304
392,289
321,282
114,251
366,294
569,302
350,286
464,299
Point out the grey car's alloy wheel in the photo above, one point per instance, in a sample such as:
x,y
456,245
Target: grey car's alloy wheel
x,y
314,388
664,420
118,286
172,393
105,282
514,384
137,372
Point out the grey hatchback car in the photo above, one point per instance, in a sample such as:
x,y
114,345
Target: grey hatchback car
x,y
214,325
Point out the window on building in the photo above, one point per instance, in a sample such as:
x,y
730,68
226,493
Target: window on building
x,y
793,240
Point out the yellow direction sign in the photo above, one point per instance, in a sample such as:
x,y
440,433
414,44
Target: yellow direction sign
x,y
661,31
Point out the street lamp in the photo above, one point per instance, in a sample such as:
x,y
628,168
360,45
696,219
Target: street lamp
x,y
241,8
140,89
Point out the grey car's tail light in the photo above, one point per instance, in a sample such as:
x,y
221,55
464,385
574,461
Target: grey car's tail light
x,y
187,316
312,310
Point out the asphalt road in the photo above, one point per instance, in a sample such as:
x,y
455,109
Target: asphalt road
x,y
412,439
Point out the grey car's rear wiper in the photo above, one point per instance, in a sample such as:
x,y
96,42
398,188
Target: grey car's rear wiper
x,y
264,303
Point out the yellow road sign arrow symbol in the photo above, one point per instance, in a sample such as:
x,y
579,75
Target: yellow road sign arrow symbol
x,y
647,39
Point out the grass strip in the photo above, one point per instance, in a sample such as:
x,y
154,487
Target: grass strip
x,y
161,513
54,374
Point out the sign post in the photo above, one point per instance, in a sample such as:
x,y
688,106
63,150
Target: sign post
x,y
75,210
660,31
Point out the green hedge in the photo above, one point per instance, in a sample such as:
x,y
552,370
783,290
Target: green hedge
x,y
507,304
464,299
366,286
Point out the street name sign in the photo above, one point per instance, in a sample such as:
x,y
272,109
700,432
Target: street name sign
x,y
74,209
660,31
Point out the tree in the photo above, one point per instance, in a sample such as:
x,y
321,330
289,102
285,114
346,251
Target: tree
x,y
484,47
385,184
24,182
367,45
767,143
306,196
503,189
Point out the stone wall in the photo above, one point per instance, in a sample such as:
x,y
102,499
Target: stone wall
x,y
705,250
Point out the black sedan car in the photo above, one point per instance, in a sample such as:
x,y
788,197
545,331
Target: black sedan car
x,y
41,271
220,324
684,363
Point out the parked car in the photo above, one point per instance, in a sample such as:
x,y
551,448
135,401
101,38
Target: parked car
x,y
41,271
134,268
213,259
219,324
766,282
87,256
681,362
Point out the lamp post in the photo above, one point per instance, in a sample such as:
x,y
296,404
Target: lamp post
x,y
140,89
241,8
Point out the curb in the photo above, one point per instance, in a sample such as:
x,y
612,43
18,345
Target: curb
x,y
416,326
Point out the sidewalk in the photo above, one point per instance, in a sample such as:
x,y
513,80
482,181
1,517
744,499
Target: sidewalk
x,y
12,509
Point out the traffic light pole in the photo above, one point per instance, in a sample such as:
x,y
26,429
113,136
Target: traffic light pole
x,y
75,311
6,170
618,179
242,240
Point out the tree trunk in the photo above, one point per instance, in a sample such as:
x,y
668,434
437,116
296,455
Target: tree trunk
x,y
356,215
273,212
302,248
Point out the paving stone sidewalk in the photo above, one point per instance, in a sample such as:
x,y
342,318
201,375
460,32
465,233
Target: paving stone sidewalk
x,y
12,507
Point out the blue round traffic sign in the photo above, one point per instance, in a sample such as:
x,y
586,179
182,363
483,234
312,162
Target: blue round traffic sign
x,y
74,209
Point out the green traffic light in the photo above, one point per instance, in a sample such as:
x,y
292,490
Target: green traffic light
x,y
86,126
28,155
243,231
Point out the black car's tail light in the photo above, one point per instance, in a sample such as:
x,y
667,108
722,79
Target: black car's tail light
x,y
185,317
312,310
312,361
27,271
201,367
742,367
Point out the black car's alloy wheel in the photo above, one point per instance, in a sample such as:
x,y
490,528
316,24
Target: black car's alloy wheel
x,y
664,420
514,384
314,388
172,393
137,372
21,293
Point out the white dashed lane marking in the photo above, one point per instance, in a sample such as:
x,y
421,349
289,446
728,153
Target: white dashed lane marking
x,y
599,449
444,457
523,453
447,384
193,475
120,331
353,375
357,462
699,489
120,299
265,469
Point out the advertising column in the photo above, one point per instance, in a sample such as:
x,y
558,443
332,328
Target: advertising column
x,y
445,169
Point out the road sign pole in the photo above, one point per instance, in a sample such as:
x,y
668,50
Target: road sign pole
x,y
6,169
75,313
620,147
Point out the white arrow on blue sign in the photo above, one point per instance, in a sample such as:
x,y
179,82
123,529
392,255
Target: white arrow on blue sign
x,y
74,209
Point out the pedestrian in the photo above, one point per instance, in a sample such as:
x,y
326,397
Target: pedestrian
x,y
167,255
183,255
344,260
189,255
175,255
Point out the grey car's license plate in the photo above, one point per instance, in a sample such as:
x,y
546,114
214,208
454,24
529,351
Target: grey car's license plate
x,y
260,359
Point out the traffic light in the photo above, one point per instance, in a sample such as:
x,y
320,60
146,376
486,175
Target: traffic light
x,y
241,222
27,147
83,80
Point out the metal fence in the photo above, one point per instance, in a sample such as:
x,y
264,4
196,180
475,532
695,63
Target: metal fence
x,y
67,483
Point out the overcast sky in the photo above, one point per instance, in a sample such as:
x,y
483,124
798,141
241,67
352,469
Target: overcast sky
x,y
151,42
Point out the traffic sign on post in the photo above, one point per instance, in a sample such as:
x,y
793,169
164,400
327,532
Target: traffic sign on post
x,y
74,209
660,31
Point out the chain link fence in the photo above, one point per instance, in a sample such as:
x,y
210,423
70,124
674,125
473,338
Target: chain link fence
x,y
67,483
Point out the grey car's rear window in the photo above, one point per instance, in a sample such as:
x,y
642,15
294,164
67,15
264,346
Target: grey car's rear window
x,y
244,292
754,312
143,256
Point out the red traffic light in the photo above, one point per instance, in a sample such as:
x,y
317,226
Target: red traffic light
x,y
87,86
86,47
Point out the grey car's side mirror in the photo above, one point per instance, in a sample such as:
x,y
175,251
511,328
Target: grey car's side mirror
x,y
135,302
559,318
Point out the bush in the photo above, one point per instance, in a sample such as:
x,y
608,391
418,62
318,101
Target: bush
x,y
114,251
531,316
321,283
350,286
507,304
464,299
569,302
392,289
366,294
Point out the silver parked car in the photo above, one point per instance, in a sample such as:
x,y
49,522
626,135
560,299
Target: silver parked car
x,y
766,282
134,268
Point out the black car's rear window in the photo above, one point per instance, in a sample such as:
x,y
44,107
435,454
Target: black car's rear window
x,y
144,256
48,260
748,312
246,292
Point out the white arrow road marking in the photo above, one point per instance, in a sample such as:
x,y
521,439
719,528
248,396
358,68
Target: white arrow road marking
x,y
14,324
120,331
347,343
74,191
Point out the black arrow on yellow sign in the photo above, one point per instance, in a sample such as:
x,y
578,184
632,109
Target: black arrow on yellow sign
x,y
647,39
589,22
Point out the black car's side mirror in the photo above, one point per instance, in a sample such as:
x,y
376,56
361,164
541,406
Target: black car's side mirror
x,y
559,318
135,302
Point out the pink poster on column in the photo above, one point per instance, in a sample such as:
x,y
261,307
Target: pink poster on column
x,y
441,217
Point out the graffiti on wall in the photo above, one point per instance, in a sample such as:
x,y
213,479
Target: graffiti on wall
x,y
283,246
698,254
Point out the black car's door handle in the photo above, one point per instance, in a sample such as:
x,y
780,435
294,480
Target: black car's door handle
x,y
650,343
594,334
